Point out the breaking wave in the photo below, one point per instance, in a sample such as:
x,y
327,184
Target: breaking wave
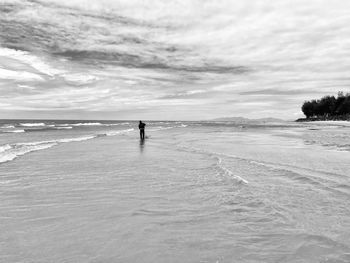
x,y
87,124
7,127
15,150
36,124
9,152
63,127
96,124
4,148
14,131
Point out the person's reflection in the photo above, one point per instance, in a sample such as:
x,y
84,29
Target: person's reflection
x,y
142,145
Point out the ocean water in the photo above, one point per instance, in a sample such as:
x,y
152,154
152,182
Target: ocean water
x,y
91,191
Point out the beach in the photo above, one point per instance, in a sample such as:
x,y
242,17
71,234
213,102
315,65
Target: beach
x,y
91,191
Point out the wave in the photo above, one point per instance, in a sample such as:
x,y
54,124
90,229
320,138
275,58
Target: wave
x,y
218,165
40,129
160,128
9,152
36,124
227,172
63,127
79,139
5,148
48,128
87,124
98,124
7,126
112,133
14,131
16,150
116,124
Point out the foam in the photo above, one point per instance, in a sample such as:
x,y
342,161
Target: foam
x,y
63,127
228,172
79,139
10,152
112,133
36,124
7,126
160,128
116,124
15,151
97,124
14,131
87,124
5,148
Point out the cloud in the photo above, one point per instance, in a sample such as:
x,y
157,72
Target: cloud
x,y
80,79
18,75
209,58
13,57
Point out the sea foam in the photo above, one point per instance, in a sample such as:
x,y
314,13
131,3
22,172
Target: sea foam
x,y
5,148
14,151
63,127
36,124
7,126
87,124
9,152
112,133
14,131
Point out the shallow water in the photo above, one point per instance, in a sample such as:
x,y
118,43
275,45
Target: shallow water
x,y
191,192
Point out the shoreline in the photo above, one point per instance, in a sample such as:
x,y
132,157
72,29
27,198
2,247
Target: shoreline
x,y
345,118
340,123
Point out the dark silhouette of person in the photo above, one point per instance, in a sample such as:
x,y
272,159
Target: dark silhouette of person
x,y
142,130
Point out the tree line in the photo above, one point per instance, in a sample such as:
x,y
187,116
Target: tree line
x,y
328,107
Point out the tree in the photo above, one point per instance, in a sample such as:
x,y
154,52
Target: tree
x,y
328,106
307,109
344,107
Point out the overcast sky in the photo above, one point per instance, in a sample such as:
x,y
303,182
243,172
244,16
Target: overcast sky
x,y
174,59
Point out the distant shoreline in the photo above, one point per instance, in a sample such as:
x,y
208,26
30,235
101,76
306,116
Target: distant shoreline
x,y
333,118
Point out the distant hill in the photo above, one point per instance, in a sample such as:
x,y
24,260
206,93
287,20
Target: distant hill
x,y
246,120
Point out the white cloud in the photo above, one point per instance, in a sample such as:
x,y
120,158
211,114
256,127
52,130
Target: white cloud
x,y
124,54
19,75
80,79
32,61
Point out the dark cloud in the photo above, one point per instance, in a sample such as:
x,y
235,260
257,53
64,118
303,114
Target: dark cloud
x,y
23,36
69,42
137,61
110,17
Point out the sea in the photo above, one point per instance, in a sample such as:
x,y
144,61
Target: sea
x,y
206,191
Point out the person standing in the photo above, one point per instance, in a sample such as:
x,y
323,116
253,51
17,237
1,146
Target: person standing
x,y
142,130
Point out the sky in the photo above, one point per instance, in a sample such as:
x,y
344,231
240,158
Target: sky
x,y
170,60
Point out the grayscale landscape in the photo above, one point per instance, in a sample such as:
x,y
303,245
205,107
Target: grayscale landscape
x,y
174,131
